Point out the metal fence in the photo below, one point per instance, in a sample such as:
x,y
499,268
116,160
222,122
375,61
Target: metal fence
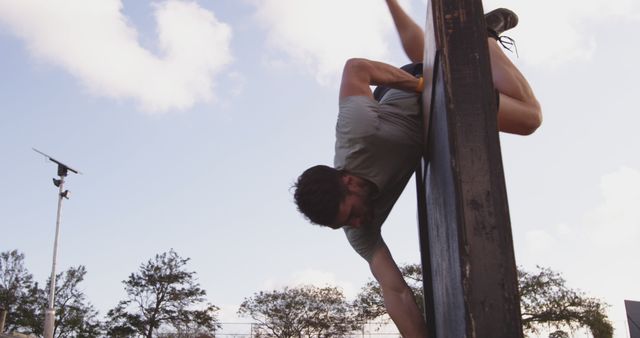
x,y
251,330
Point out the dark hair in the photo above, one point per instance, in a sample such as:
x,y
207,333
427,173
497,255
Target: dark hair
x,y
319,191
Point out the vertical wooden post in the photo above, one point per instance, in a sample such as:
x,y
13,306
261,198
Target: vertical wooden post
x,y
465,233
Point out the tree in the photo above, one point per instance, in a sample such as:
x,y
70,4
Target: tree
x,y
545,302
162,294
26,302
19,294
75,316
302,311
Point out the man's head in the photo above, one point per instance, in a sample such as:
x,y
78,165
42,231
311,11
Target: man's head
x,y
333,198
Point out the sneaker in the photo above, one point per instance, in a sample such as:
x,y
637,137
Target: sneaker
x,y
500,20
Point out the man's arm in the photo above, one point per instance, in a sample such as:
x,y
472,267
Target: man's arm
x,y
398,298
359,74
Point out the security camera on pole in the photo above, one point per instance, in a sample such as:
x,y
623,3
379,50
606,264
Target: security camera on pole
x,y
63,170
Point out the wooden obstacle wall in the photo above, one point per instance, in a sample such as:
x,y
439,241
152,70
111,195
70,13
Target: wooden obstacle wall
x,y
470,276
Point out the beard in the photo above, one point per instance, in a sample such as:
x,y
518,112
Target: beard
x,y
366,193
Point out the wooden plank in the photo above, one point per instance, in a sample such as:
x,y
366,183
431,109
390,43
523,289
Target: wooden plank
x,y
425,255
467,234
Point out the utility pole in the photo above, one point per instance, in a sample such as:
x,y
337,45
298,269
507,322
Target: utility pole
x,y
63,170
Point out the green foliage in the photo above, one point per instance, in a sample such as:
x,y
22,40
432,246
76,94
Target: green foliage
x,y
546,301
162,294
302,311
19,294
25,301
559,334
369,303
75,316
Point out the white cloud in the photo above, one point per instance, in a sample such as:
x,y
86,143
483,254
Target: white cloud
x,y
552,33
599,253
94,41
321,35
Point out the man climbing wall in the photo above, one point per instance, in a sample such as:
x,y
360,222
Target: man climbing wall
x,y
379,144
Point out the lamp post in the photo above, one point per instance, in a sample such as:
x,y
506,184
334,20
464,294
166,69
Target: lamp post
x,y
3,317
63,170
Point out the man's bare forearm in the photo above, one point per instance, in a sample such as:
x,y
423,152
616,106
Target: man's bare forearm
x,y
404,312
398,298
359,74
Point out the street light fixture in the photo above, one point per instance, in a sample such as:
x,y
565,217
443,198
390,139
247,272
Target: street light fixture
x,y
63,170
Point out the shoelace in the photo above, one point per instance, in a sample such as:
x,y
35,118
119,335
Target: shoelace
x,y
508,43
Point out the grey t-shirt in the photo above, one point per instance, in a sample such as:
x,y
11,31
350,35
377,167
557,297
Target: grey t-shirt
x,y
381,142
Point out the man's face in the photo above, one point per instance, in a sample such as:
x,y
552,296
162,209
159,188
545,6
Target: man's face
x,y
356,208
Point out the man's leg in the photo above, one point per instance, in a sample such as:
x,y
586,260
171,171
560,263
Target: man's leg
x,y
519,110
411,34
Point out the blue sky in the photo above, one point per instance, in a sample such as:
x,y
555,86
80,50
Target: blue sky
x,y
190,121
